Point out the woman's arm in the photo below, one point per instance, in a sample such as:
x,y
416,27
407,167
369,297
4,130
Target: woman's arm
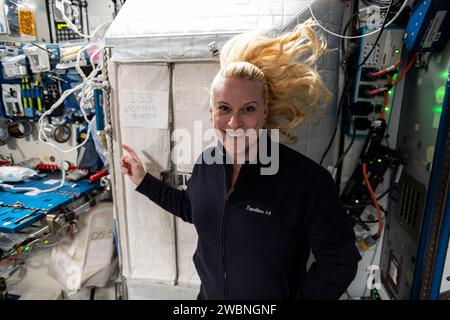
x,y
173,200
170,199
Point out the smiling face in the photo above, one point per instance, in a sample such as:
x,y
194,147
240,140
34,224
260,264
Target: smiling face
x,y
238,110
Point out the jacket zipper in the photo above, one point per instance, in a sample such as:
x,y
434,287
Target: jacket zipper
x,y
222,237
225,291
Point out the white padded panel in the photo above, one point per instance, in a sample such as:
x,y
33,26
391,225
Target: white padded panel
x,y
186,245
141,289
146,230
191,104
174,30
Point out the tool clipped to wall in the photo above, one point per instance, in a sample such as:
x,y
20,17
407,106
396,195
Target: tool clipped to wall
x,y
50,92
14,66
20,128
60,133
13,101
28,98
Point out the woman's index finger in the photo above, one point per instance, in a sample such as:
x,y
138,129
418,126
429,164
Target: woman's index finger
x,y
130,151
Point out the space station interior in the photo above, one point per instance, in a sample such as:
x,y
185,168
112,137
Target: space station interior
x,y
80,78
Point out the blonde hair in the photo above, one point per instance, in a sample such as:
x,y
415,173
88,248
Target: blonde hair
x,y
285,65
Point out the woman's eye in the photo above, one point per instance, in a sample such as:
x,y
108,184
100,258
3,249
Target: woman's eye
x,y
250,109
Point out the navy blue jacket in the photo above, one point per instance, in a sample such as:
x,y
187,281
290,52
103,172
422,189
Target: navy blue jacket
x,y
255,243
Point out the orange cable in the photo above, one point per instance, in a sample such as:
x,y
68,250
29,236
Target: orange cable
x,y
410,64
374,199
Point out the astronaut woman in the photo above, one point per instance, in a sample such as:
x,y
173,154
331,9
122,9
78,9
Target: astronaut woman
x,y
256,231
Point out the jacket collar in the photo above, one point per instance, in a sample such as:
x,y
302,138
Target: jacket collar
x,y
227,159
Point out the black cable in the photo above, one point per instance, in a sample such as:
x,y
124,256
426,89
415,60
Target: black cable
x,y
92,295
48,51
85,5
382,209
347,150
49,17
342,140
115,12
384,193
356,14
341,99
341,151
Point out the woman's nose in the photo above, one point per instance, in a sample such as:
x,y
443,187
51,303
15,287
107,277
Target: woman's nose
x,y
234,122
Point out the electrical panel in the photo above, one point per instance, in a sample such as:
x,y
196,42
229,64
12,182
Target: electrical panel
x,y
356,197
371,83
416,203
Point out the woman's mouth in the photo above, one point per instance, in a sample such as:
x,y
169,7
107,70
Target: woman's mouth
x,y
238,133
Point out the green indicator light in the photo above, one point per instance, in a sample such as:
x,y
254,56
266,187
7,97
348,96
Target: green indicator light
x,y
356,201
45,241
379,160
395,77
443,75
440,93
437,109
386,109
390,92
397,51
27,248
